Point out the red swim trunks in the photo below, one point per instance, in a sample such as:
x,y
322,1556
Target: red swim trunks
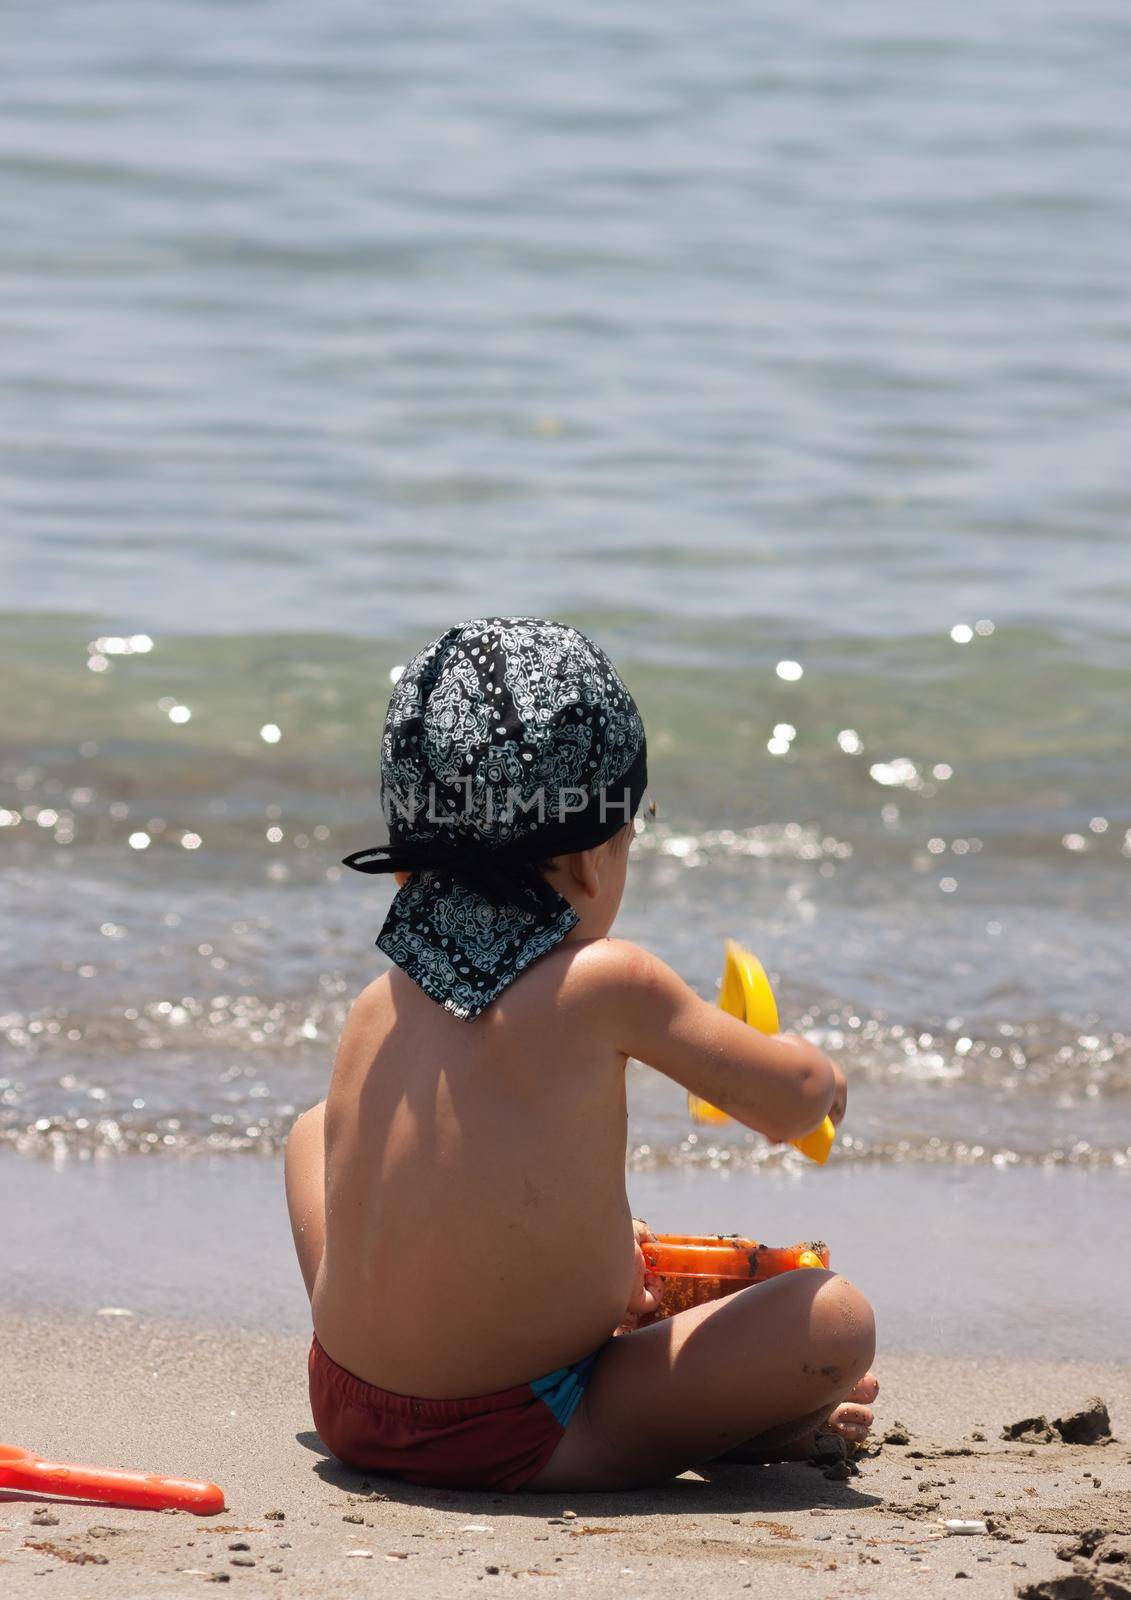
x,y
496,1441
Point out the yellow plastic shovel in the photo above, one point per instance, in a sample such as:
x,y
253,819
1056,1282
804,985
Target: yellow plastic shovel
x,y
745,993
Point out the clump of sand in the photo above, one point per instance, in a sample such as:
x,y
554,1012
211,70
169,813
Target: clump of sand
x,y
1101,1570
1090,1425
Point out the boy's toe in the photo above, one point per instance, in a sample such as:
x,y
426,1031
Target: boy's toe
x,y
866,1390
853,1421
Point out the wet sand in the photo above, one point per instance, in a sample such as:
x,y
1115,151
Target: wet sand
x,y
231,1407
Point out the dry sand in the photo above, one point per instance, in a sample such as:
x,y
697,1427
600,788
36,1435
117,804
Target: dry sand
x,y
131,1393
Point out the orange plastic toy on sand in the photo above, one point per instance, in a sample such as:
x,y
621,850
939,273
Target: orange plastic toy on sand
x,y
695,1268
21,1469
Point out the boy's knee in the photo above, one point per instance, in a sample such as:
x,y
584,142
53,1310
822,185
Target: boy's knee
x,y
844,1325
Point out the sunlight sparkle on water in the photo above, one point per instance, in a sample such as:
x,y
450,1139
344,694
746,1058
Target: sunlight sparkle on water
x,y
898,773
137,644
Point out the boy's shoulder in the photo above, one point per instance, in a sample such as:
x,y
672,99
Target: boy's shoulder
x,y
616,977
373,997
598,976
584,967
613,961
627,995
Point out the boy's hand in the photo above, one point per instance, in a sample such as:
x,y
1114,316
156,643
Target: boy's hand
x,y
645,1297
840,1098
780,1086
840,1083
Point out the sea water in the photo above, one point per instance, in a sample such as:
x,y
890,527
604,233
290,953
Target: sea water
x,y
787,353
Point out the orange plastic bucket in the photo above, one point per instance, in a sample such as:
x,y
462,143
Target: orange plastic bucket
x,y
696,1268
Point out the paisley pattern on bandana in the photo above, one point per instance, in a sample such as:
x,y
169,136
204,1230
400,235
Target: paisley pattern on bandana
x,y
459,948
456,721
502,736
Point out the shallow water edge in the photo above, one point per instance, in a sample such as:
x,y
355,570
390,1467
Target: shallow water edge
x,y
956,1261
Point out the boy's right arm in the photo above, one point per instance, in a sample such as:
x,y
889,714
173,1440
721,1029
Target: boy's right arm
x,y
781,1085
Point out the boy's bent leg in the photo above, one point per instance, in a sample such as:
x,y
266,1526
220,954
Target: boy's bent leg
x,y
771,1360
304,1170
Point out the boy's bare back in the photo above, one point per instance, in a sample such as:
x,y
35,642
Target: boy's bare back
x,y
477,1227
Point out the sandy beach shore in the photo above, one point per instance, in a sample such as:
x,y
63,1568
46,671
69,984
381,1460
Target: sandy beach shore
x,y
126,1391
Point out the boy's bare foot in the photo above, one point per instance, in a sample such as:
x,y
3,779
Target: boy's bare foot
x,y
853,1417
852,1420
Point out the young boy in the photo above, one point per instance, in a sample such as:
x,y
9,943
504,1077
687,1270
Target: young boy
x,y
458,1201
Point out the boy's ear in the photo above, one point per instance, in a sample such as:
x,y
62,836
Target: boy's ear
x,y
401,878
584,871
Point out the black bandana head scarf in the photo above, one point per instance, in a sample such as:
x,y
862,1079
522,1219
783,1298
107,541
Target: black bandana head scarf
x,y
507,741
